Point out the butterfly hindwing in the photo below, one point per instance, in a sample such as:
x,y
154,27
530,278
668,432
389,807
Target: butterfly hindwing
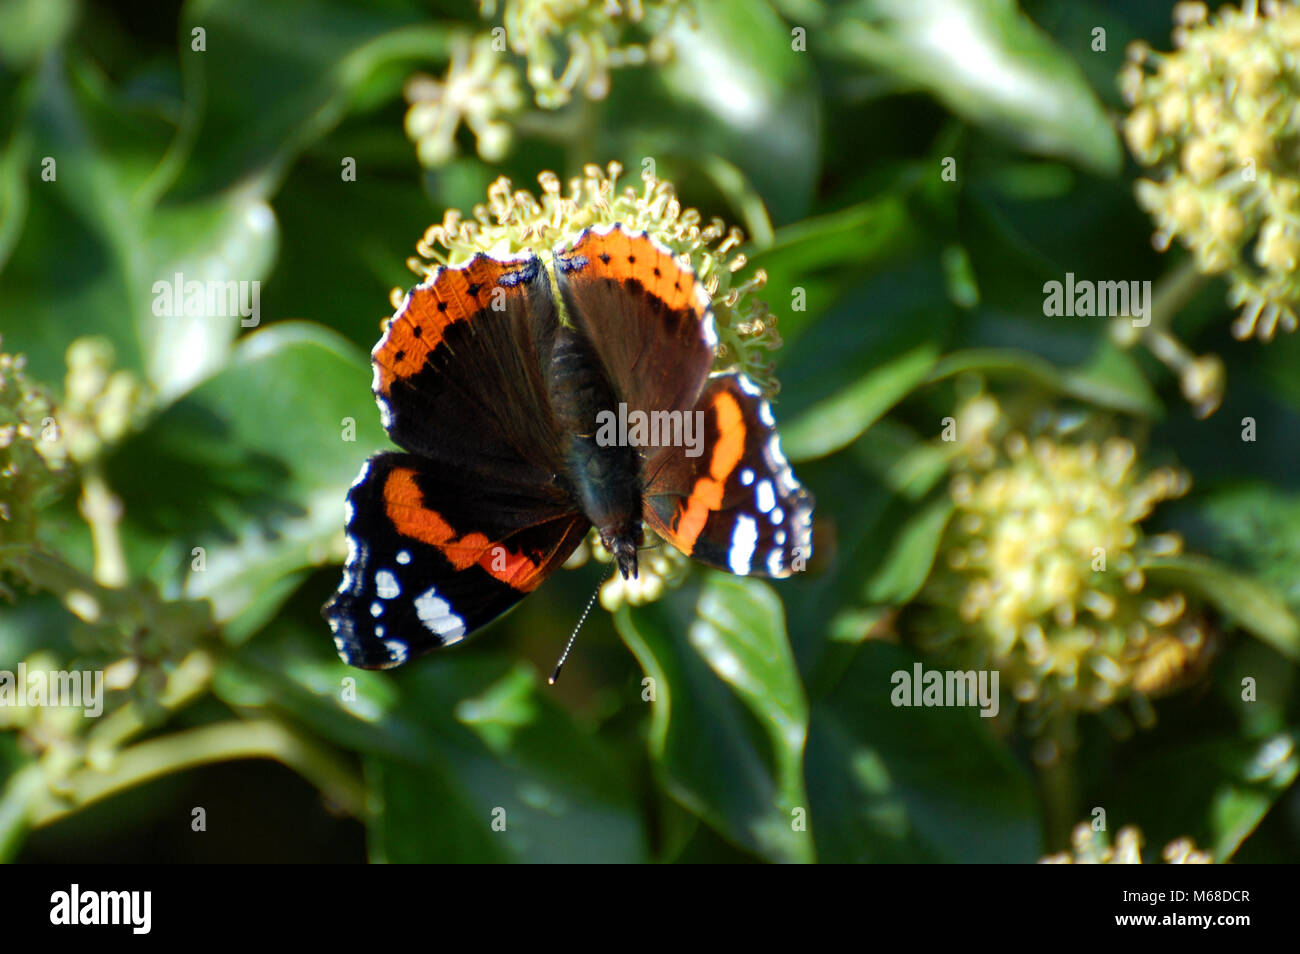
x,y
433,557
737,506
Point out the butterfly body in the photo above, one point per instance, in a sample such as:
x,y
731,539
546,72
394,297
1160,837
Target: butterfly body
x,y
605,479
495,377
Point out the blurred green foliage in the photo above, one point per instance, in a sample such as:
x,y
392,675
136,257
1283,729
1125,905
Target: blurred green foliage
x,y
821,129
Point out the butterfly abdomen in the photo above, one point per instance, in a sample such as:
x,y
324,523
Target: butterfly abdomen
x,y
606,477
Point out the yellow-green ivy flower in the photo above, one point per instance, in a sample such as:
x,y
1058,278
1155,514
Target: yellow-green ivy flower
x,y
1039,574
1093,848
1217,121
660,567
101,405
481,88
513,221
32,453
573,44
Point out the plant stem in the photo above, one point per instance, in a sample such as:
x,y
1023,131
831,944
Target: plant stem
x,y
264,738
103,511
1172,293
1058,785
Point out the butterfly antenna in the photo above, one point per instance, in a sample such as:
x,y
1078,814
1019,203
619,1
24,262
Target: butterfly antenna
x,y
568,647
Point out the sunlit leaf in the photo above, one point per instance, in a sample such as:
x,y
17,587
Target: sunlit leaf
x,y
710,682
988,63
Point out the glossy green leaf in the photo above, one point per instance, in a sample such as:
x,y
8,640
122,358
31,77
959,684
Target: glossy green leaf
x,y
905,463
989,64
94,246
1111,380
450,747
1214,790
817,258
911,555
1253,526
722,681
272,78
253,466
752,95
891,784
842,418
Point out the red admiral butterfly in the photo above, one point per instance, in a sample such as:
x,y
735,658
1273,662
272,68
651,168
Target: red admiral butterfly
x,y
493,376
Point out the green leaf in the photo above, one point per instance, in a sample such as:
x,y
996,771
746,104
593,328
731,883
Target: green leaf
x,y
839,420
729,716
740,633
744,95
891,784
823,255
274,77
510,779
1109,380
911,555
1243,600
446,745
905,463
1215,791
253,466
987,62
864,356
31,28
94,244
1254,526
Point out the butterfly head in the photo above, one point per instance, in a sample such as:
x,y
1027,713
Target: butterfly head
x,y
622,544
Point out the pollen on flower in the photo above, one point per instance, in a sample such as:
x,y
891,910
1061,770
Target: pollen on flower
x,y
573,44
1040,572
1093,848
660,568
1216,122
512,221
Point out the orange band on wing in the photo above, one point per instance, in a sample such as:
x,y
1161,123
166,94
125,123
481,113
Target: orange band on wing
x,y
455,294
620,256
405,506
706,495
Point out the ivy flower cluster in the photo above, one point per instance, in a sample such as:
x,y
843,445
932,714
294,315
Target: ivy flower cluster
x,y
1216,122
1039,573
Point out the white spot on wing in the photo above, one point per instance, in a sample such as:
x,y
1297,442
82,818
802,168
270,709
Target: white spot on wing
x,y
766,496
743,540
774,452
710,333
376,608
403,556
436,614
386,585
775,565
746,477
